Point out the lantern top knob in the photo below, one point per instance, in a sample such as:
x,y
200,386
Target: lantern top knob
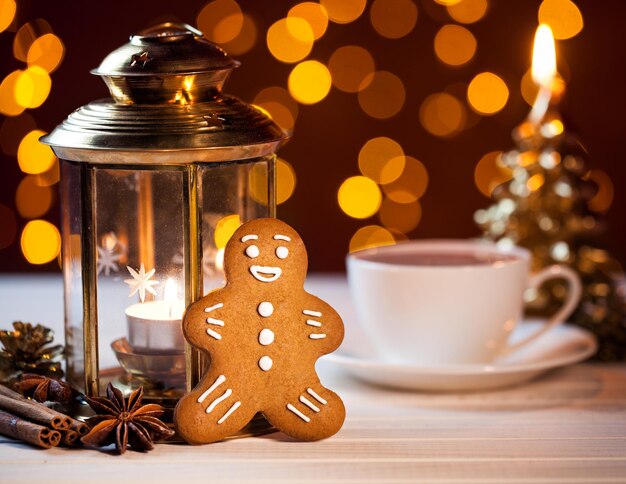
x,y
169,62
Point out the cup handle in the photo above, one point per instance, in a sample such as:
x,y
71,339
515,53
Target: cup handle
x,y
575,291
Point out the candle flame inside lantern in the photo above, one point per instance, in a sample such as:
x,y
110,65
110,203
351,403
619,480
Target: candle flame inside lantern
x,y
219,260
544,57
109,241
170,296
170,293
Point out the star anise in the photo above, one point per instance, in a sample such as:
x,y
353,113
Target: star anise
x,y
44,389
125,422
26,349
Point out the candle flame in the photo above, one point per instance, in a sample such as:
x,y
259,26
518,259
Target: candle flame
x,y
544,57
109,241
170,293
219,260
176,306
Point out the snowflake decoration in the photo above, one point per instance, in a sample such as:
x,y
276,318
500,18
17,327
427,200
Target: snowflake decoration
x,y
110,252
107,261
141,282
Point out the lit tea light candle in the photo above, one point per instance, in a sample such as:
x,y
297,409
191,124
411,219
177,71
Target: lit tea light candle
x,y
156,326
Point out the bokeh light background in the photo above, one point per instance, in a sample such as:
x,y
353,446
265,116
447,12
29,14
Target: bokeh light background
x,y
399,107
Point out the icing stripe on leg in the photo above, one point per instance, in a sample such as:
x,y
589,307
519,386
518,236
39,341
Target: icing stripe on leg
x,y
316,396
235,406
309,404
216,402
220,379
293,409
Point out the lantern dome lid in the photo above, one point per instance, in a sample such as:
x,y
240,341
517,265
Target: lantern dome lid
x,y
166,106
166,49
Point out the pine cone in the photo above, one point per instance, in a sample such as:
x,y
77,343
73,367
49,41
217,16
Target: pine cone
x,y
26,350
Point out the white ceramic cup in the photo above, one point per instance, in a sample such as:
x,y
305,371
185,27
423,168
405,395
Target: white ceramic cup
x,y
452,313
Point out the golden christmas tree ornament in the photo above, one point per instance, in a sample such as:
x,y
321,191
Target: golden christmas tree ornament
x,y
547,207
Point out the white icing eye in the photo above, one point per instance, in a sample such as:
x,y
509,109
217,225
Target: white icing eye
x,y
252,251
282,252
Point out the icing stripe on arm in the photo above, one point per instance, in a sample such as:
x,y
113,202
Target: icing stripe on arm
x,y
315,314
213,308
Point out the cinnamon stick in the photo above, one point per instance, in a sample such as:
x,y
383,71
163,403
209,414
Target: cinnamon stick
x,y
35,412
18,428
81,428
75,425
69,438
7,392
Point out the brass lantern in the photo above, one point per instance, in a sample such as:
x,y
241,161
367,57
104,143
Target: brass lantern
x,y
153,182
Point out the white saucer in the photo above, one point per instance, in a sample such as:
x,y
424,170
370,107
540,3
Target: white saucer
x,y
562,346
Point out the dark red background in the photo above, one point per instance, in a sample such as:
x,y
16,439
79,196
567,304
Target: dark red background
x,y
328,135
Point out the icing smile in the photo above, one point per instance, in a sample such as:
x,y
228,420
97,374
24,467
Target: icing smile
x,y
265,273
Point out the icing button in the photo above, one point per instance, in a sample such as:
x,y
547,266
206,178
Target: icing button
x,y
266,337
265,363
265,309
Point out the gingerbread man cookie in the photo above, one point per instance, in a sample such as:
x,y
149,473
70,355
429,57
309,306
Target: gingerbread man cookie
x,y
263,333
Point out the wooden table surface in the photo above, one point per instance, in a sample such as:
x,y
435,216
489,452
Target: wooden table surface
x,y
567,427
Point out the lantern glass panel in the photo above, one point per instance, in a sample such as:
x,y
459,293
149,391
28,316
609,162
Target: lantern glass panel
x,y
140,276
232,193
71,232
